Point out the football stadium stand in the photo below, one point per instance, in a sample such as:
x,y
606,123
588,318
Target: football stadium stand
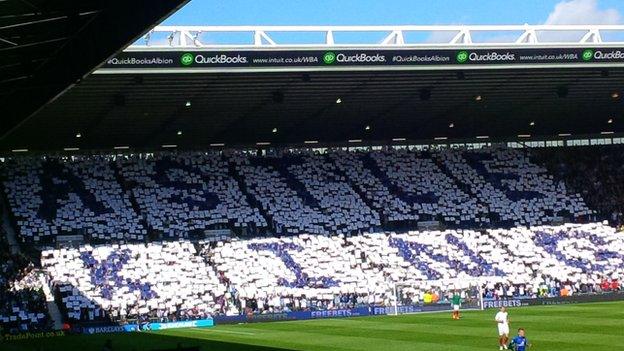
x,y
188,235
160,280
594,172
22,302
177,195
55,196
174,281
180,194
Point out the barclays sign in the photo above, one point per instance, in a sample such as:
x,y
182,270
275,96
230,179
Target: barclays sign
x,y
110,329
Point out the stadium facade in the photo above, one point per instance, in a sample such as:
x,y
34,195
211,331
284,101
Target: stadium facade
x,y
201,87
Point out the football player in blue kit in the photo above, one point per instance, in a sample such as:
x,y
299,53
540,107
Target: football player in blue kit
x,y
520,342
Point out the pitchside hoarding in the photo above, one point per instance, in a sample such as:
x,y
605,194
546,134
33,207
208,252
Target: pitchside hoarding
x,y
105,329
267,59
291,316
349,312
514,302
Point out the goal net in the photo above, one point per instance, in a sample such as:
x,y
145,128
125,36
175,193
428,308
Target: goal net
x,y
431,296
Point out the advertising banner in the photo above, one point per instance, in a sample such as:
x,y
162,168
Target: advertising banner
x,y
380,310
577,299
505,303
198,59
514,302
176,325
103,329
405,309
342,313
353,312
298,315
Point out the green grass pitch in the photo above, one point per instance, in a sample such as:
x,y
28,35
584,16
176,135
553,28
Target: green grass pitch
x,y
583,327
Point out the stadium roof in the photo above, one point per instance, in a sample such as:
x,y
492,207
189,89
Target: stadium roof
x,y
229,37
46,46
149,96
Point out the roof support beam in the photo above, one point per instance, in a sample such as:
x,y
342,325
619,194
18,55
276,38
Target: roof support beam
x,y
593,36
394,38
528,37
463,37
393,35
259,36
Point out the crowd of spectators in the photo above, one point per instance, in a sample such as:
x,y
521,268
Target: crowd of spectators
x,y
317,227
596,172
291,303
550,288
164,281
171,195
181,280
22,302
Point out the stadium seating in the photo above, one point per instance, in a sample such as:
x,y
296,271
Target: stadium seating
x,y
304,194
22,304
323,267
174,280
81,195
373,190
122,282
432,194
515,191
595,172
311,231
186,194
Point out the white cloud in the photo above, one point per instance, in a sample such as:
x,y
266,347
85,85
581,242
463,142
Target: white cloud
x,y
438,37
582,12
565,12
577,12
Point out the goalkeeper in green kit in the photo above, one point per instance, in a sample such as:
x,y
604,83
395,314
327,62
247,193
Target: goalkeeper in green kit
x,y
456,303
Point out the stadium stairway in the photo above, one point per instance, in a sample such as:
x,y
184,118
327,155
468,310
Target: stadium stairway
x,y
53,309
7,228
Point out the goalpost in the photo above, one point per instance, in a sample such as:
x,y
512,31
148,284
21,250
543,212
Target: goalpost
x,y
413,296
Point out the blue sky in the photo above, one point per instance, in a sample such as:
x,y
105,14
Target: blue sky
x,y
389,12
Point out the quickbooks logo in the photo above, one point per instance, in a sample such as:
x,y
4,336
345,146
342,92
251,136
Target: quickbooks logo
x,y
616,55
588,55
187,59
462,56
329,57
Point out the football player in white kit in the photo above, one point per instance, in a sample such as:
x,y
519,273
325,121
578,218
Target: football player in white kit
x,y
502,321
